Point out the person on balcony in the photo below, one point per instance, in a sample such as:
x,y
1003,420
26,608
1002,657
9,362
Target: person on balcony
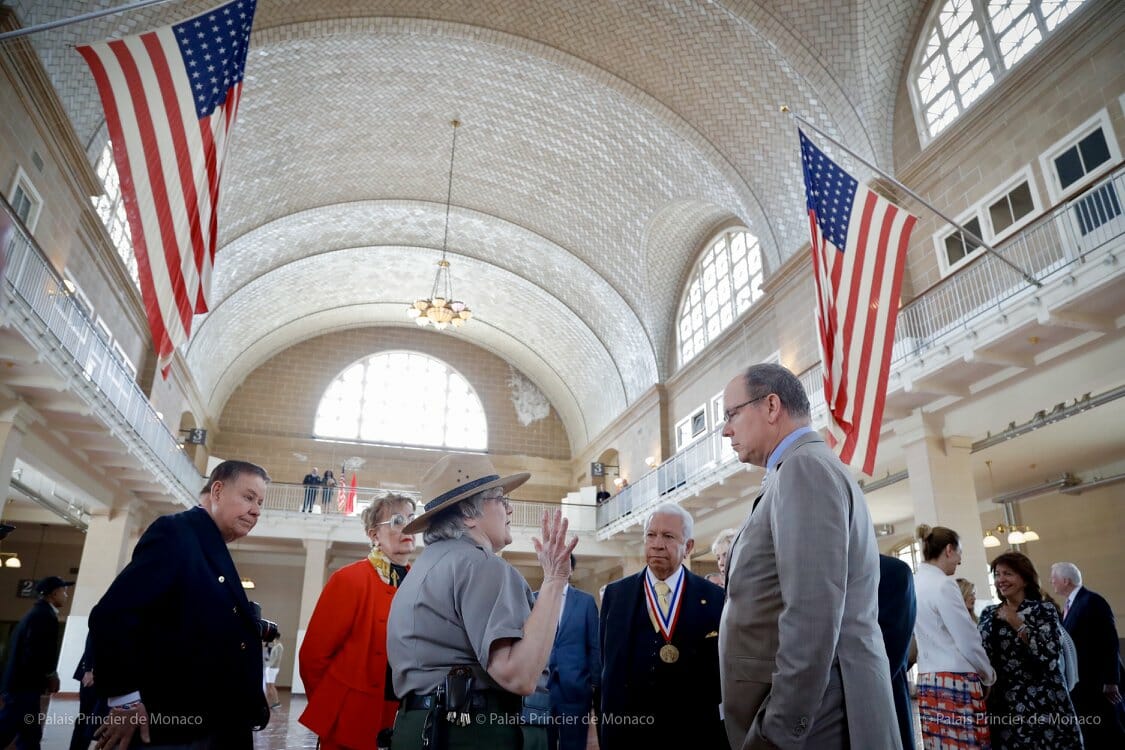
x,y
801,650
659,637
311,482
327,489
344,655
466,636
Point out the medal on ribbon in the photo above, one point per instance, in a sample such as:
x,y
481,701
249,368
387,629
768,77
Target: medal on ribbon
x,y
666,624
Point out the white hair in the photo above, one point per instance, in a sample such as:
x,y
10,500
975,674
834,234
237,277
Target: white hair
x,y
724,539
675,510
1069,571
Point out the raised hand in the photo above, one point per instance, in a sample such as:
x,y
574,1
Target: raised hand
x,y
554,551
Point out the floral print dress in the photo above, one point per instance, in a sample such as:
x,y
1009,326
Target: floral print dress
x,y
1029,707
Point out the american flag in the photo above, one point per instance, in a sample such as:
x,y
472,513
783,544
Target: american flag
x,y
170,98
859,242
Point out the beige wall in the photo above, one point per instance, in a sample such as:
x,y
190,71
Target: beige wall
x,y
1084,529
270,417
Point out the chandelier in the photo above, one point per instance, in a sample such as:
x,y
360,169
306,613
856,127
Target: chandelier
x,y
440,309
1014,534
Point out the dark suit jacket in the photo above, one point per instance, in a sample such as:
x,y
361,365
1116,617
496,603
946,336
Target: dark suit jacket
x,y
1090,624
696,699
34,651
176,625
897,611
576,659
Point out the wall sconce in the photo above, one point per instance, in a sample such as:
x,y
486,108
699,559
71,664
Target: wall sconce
x,y
651,462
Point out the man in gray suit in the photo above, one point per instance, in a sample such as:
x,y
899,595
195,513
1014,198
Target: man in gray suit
x,y
800,650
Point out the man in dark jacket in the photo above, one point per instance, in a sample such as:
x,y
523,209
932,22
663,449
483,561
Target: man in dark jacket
x,y
898,608
182,587
31,669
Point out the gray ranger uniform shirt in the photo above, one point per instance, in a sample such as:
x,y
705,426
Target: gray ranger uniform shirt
x,y
457,601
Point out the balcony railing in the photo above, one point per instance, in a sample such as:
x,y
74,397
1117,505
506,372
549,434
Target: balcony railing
x,y
1065,236
1062,237
35,302
325,503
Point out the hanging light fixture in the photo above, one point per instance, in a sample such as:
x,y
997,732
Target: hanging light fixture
x,y
440,309
247,583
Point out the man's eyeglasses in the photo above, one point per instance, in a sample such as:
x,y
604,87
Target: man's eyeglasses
x,y
728,415
397,521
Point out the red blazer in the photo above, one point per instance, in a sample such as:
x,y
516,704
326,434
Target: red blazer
x,y
344,659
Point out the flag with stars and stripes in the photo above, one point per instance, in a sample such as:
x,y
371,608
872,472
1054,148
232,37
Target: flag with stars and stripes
x,y
859,242
170,98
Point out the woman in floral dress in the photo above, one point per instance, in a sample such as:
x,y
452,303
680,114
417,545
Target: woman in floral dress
x,y
1029,707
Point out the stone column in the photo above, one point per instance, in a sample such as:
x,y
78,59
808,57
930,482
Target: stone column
x,y
15,419
109,544
941,485
316,563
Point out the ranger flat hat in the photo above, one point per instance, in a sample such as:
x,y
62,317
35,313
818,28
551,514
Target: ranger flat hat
x,y
454,478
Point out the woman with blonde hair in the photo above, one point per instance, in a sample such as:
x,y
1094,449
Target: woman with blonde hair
x,y
969,594
721,549
344,654
953,668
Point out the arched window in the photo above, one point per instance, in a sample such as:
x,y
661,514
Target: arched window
x,y
723,285
111,210
403,398
968,45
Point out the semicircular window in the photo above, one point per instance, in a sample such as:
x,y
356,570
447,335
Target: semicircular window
x,y
403,398
725,282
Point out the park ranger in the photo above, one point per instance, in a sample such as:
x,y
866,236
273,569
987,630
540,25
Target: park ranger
x,y
466,638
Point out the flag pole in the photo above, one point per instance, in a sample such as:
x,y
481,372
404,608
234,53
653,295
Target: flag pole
x,y
965,232
28,31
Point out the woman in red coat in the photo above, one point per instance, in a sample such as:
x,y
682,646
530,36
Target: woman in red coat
x,y
344,655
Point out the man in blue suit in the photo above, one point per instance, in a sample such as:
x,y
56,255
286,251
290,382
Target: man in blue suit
x,y
898,609
575,668
659,637
182,594
1089,620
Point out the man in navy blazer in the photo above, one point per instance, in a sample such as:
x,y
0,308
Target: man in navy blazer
x,y
660,672
176,643
898,609
575,668
1097,696
31,669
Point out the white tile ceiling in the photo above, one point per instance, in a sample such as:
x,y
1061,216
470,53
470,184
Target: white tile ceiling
x,y
603,143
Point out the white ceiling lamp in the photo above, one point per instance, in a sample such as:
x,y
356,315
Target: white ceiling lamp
x,y
990,540
247,583
440,309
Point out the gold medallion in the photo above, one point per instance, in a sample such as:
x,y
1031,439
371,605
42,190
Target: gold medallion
x,y
669,654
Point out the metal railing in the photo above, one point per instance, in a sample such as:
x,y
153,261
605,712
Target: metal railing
x,y
324,502
1062,237
35,301
692,463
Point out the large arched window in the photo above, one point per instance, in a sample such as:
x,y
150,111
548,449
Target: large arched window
x,y
403,398
968,45
724,283
111,209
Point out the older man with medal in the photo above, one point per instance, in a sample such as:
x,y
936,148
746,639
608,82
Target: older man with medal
x,y
659,638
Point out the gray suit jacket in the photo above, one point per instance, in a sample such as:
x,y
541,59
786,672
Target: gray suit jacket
x,y
802,608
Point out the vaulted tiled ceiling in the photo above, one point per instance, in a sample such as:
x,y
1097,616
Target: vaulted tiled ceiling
x,y
603,142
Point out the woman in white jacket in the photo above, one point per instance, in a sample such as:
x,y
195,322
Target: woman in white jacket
x,y
953,669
